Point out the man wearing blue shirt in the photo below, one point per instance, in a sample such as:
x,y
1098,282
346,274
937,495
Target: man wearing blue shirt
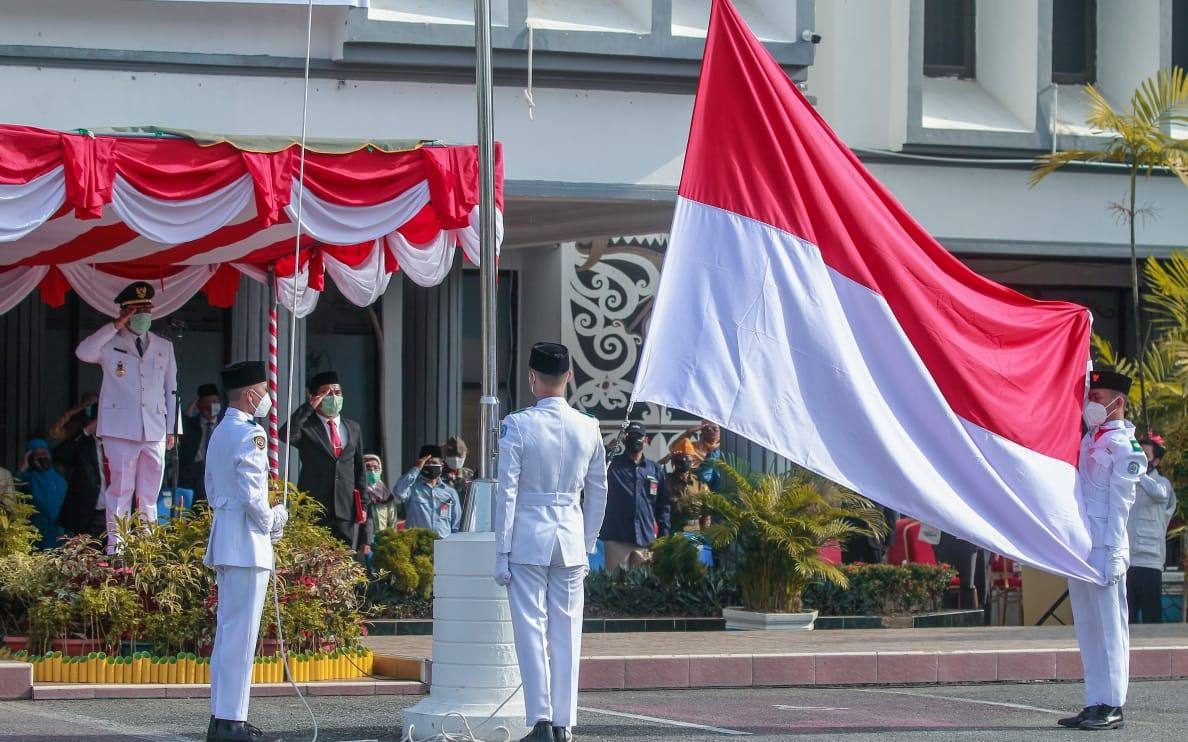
x,y
428,501
638,508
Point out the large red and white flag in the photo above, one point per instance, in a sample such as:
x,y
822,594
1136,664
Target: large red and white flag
x,y
802,307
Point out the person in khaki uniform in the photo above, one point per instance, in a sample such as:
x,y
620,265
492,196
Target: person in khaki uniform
x,y
684,489
548,509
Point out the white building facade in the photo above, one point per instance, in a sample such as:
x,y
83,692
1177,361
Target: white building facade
x,y
946,101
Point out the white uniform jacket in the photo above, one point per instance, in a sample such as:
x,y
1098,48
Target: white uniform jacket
x,y
237,490
1111,463
552,485
136,400
1154,506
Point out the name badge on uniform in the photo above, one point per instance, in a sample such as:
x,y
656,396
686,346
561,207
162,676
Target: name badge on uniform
x,y
653,486
119,369
443,509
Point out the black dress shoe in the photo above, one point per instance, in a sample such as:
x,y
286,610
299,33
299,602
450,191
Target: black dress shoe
x,y
1103,717
542,732
239,731
210,729
1073,722
562,734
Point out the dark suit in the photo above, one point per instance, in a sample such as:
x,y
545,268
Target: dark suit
x,y
192,474
84,482
329,480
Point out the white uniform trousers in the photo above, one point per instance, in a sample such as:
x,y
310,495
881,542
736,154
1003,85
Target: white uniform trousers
x,y
546,606
131,467
242,591
1100,619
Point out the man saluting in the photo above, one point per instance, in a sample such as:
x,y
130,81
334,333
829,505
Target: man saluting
x,y
1110,464
550,456
240,547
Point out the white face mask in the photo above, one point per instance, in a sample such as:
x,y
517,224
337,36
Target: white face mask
x,y
263,406
215,409
1095,413
455,462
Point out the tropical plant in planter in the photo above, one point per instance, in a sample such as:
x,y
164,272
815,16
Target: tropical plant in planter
x,y
777,524
17,532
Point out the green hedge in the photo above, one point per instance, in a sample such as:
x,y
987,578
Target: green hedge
x,y
882,590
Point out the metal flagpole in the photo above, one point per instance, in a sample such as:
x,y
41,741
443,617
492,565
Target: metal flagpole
x,y
480,507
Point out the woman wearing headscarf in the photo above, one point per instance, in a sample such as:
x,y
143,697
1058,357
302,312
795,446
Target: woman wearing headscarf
x,y
47,488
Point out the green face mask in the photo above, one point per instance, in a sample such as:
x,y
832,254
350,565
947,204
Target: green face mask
x,y
331,405
140,323
373,477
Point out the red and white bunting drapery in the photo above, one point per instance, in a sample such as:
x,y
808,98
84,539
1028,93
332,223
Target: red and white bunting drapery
x,y
92,213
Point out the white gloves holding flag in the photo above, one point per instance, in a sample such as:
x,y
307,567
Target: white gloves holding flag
x,y
1111,562
280,517
502,570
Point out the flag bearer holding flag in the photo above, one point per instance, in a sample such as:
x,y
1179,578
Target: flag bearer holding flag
x,y
1110,465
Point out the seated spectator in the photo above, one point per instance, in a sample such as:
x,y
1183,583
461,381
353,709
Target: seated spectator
x,y
428,501
703,445
75,419
684,487
456,474
381,514
47,487
83,510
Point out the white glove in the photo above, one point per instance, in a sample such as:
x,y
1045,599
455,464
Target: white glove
x,y
1110,562
280,517
502,570
1115,570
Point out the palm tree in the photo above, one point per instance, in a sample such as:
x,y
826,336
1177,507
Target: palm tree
x,y
1140,140
778,523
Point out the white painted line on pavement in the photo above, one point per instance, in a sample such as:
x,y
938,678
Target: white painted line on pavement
x,y
786,707
978,701
111,727
670,722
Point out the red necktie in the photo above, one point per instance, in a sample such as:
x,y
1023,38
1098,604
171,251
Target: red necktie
x,y
335,438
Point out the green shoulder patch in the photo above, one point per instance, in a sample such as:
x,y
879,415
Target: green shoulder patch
x,y
1134,446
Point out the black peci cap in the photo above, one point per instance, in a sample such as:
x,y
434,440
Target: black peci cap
x,y
1108,378
551,359
247,373
431,450
321,380
207,390
140,292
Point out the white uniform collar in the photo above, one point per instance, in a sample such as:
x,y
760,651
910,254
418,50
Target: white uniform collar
x,y
238,414
552,402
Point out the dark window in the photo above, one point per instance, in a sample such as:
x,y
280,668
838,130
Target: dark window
x,y
1074,41
1180,33
949,38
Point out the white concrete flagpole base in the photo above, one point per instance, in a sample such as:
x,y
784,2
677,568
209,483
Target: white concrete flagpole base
x,y
474,655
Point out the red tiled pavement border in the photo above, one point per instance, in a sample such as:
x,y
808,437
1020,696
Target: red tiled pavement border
x,y
967,667
16,680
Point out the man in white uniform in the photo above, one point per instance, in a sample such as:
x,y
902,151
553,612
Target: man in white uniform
x,y
1110,464
240,547
137,411
548,511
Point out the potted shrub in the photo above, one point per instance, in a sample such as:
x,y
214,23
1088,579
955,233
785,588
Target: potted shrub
x,y
776,524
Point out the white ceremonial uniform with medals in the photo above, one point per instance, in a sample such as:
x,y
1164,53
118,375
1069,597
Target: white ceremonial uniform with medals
x,y
240,552
136,411
548,512
1110,464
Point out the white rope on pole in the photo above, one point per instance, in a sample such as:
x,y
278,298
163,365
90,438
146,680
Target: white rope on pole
x,y
280,636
